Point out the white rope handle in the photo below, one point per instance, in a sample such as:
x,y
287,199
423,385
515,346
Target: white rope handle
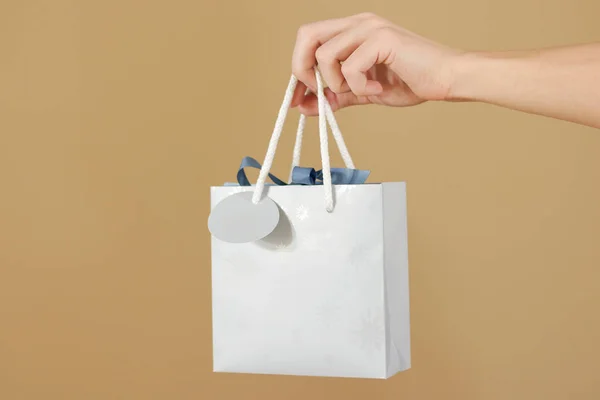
x,y
268,162
297,145
337,135
324,144
325,115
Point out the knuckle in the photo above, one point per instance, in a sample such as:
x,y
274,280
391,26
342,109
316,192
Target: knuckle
x,y
372,20
305,31
298,71
372,25
377,23
368,15
323,56
347,69
386,32
301,74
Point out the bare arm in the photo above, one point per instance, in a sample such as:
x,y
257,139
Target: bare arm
x,y
562,83
366,59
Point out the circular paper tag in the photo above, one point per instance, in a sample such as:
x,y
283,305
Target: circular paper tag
x,y
237,220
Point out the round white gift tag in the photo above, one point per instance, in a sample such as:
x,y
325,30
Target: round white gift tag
x,y
237,220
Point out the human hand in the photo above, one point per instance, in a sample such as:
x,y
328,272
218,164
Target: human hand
x,y
365,59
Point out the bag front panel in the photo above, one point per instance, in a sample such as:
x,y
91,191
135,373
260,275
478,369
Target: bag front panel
x,y
309,298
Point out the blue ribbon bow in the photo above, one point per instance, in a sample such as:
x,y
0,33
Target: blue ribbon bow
x,y
306,176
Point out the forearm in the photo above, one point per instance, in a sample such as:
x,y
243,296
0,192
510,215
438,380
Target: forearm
x,y
561,83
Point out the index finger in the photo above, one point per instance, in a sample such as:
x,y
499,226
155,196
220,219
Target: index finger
x,y
309,38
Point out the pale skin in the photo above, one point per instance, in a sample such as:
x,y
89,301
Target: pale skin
x,y
365,59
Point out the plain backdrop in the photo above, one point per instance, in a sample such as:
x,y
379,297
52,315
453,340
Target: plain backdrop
x,y
117,116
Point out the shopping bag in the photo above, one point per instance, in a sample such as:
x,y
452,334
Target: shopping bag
x,y
310,276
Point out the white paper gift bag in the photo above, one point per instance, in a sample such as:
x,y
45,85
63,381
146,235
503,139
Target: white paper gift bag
x,y
324,289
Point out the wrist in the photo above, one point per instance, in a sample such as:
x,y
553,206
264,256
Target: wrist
x,y
489,77
466,70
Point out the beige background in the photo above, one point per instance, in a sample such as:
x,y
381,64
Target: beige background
x,y
116,116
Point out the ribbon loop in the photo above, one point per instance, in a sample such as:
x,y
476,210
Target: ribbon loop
x,y
242,178
304,176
